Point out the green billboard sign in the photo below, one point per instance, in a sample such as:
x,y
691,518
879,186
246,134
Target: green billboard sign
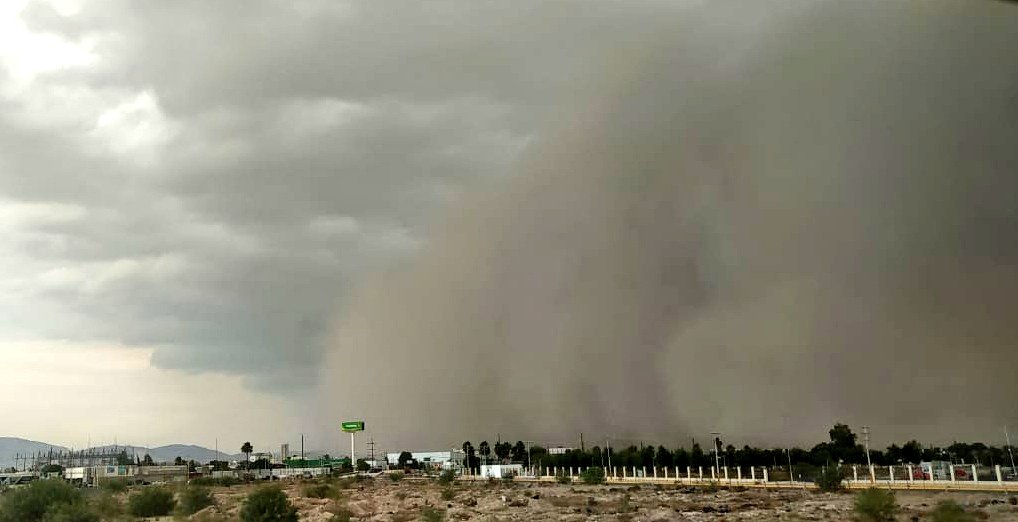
x,y
352,426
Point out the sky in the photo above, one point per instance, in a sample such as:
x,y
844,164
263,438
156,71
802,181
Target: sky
x,y
461,219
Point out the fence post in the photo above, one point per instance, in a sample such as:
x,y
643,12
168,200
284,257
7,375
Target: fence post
x,y
713,474
890,469
910,473
855,474
726,472
701,472
975,476
950,468
752,473
739,472
765,474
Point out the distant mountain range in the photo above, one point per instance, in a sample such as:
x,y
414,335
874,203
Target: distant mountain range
x,y
11,446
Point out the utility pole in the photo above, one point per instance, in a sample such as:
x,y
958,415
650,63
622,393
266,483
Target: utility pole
x,y
371,448
1009,452
866,441
608,444
717,451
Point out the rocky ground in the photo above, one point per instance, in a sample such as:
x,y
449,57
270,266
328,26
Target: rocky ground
x,y
407,500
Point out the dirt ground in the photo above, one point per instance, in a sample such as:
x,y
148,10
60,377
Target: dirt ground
x,y
382,500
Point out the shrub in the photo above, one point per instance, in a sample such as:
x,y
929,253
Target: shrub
x,y
430,514
224,482
107,506
341,514
950,511
624,505
76,512
592,475
448,494
319,491
396,476
194,499
447,476
30,504
875,505
268,504
562,478
115,486
829,480
151,502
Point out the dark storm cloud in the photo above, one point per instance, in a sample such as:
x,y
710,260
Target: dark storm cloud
x,y
760,228
223,174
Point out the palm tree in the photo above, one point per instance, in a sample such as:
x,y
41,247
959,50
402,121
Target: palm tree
x,y
484,449
246,449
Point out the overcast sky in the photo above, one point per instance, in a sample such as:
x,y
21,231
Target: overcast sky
x,y
200,202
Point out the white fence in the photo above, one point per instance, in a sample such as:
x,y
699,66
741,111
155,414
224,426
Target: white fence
x,y
758,477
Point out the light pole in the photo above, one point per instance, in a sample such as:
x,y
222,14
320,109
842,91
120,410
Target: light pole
x,y
866,441
717,452
1009,452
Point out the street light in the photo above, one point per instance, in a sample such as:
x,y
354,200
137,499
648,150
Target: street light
x,y
717,452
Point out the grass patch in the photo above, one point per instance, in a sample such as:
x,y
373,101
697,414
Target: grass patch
x,y
950,511
430,514
322,490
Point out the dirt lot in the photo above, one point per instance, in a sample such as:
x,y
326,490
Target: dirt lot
x,y
407,500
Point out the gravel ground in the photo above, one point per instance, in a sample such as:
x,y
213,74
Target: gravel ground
x,y
383,500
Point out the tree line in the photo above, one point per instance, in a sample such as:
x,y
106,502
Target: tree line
x,y
842,448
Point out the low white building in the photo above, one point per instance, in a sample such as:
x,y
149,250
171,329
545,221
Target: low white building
x,y
452,459
501,470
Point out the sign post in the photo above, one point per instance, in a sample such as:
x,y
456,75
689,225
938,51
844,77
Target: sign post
x,y
352,427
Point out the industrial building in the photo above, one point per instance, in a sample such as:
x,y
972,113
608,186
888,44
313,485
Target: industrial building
x,y
452,459
501,470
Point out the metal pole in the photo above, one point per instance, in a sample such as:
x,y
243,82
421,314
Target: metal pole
x,y
717,456
1009,452
866,440
608,443
353,458
791,476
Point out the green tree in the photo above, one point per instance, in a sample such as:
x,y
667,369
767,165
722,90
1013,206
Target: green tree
x,y
123,459
502,450
178,461
147,460
484,449
468,455
912,452
519,452
405,457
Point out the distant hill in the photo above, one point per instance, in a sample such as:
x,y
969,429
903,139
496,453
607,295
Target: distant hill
x,y
11,446
185,451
